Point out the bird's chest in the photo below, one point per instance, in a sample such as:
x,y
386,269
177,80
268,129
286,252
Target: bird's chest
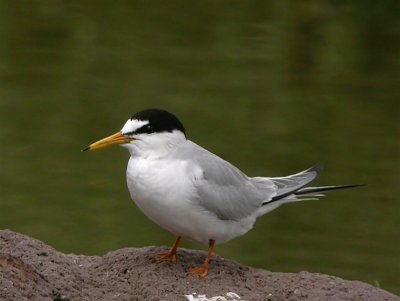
x,y
156,186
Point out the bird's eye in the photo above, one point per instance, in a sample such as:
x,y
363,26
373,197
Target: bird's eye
x,y
148,127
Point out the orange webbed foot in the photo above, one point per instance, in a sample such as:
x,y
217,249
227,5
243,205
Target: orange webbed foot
x,y
201,271
171,255
168,256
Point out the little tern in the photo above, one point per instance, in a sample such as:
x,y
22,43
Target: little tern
x,y
193,193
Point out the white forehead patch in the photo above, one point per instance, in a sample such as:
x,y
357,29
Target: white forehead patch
x,y
132,125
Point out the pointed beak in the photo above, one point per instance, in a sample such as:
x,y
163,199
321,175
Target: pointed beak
x,y
115,139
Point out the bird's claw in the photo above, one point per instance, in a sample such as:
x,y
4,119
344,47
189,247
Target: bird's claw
x,y
201,271
168,256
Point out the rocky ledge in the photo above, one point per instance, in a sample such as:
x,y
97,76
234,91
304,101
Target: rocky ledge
x,y
32,270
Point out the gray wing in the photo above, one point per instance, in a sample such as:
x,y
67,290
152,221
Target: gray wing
x,y
221,188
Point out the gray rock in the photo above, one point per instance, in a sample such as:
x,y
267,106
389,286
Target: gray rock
x,y
31,270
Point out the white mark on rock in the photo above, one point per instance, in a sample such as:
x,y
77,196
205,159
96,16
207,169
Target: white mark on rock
x,y
230,296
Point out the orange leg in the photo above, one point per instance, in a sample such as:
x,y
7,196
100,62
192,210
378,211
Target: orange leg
x,y
171,255
203,271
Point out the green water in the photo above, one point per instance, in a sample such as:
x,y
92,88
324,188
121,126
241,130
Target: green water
x,y
273,88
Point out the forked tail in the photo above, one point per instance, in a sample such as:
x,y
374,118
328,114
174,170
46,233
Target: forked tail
x,y
315,192
292,188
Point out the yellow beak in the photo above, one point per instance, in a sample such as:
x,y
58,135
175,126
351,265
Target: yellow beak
x,y
115,139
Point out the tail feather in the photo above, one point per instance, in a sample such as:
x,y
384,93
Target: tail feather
x,y
288,185
292,188
314,190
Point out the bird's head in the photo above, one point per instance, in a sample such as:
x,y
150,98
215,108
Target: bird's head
x,y
148,130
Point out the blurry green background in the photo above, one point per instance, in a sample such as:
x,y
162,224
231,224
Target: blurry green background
x,y
271,87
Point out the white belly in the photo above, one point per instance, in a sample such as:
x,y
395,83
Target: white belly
x,y
165,195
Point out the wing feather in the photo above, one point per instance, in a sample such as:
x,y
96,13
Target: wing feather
x,y
221,188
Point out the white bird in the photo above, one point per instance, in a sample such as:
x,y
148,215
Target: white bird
x,y
193,193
